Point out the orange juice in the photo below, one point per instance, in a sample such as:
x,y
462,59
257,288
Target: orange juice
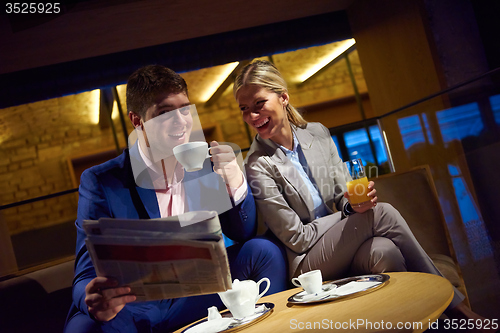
x,y
358,190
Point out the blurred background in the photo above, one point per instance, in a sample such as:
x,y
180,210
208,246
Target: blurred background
x,y
399,83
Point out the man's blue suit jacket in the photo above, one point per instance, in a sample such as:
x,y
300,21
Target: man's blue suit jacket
x,y
109,190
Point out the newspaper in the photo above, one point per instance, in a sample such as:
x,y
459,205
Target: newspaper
x,y
163,258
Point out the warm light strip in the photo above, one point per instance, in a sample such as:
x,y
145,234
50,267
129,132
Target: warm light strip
x,y
388,150
341,48
114,110
224,73
95,99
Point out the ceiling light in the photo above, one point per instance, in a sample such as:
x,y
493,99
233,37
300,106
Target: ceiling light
x,y
341,48
225,71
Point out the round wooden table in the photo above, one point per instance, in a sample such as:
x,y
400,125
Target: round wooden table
x,y
409,302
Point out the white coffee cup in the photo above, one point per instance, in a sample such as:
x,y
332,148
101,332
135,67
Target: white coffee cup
x,y
312,281
241,299
192,155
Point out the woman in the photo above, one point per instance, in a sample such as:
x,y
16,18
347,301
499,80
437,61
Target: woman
x,y
296,176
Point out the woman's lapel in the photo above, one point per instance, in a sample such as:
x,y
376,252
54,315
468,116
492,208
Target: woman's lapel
x,y
290,174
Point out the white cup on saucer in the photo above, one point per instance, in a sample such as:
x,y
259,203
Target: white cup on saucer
x,y
312,281
192,155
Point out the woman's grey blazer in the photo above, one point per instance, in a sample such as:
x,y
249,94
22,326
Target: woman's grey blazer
x,y
282,197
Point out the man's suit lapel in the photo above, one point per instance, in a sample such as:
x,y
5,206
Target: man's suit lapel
x,y
150,202
196,185
146,196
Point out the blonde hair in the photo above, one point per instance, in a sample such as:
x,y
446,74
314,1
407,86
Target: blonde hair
x,y
264,74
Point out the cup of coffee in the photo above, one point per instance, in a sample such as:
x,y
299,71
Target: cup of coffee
x,y
312,281
192,155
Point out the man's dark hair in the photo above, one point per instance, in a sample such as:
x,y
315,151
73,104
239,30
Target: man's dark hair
x,y
146,83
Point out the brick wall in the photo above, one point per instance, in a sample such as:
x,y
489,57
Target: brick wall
x,y
333,83
37,139
35,142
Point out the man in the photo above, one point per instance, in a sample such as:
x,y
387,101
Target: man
x,y
146,182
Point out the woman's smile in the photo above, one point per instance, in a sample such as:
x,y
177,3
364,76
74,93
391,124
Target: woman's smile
x,y
261,124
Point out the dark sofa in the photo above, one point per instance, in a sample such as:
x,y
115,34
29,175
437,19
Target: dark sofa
x,y
38,301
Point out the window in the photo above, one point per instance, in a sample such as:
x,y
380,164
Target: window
x,y
460,122
495,107
411,131
427,129
353,142
358,145
476,231
380,151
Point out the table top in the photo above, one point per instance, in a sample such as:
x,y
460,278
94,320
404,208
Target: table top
x,y
409,302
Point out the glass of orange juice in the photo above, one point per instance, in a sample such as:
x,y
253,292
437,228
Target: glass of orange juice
x,y
357,182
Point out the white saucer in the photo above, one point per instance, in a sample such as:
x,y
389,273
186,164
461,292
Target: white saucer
x,y
327,290
342,288
227,323
211,326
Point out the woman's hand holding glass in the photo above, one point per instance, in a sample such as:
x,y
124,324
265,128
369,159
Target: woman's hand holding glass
x,y
367,205
360,192
104,299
